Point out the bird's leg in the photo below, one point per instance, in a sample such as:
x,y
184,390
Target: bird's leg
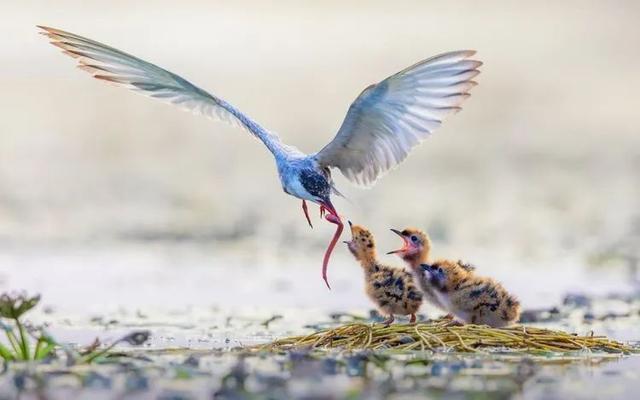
x,y
413,319
334,219
388,321
306,212
322,210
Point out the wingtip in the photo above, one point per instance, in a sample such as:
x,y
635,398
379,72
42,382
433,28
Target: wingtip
x,y
46,29
49,29
54,32
475,64
88,68
70,53
59,44
467,54
108,78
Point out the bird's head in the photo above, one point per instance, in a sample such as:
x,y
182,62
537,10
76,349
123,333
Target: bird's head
x,y
362,244
435,274
444,274
416,246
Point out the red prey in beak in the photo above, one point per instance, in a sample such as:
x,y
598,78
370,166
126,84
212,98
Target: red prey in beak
x,y
333,217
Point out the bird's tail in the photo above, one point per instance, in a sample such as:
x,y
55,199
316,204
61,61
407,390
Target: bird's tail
x,y
334,189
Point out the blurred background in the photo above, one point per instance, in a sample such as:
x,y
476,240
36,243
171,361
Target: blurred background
x,y
109,199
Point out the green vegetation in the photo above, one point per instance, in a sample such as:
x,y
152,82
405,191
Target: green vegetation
x,y
21,336
12,307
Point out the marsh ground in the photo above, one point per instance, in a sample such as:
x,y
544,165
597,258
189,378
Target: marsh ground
x,y
201,313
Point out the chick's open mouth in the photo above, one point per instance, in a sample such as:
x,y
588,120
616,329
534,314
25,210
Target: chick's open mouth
x,y
406,244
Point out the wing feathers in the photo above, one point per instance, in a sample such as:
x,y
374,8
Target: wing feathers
x,y
388,119
112,65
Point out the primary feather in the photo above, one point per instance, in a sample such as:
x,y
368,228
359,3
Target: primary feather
x,y
112,65
391,117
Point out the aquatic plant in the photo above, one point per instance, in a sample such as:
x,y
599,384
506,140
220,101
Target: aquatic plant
x,y
14,306
442,335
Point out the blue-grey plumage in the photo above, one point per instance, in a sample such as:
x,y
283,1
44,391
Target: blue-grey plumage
x,y
382,125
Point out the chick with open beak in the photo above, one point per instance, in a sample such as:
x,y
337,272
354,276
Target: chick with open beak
x,y
415,252
392,290
416,247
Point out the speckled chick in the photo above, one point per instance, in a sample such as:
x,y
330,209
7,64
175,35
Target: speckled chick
x,y
415,252
391,289
470,298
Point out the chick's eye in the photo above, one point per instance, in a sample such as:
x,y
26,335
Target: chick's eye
x,y
414,238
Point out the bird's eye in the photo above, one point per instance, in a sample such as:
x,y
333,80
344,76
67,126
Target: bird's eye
x,y
439,269
414,238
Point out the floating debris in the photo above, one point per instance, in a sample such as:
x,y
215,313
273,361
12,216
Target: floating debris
x,y
442,335
136,338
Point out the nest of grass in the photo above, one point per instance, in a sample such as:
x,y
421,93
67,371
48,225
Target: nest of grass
x,y
443,336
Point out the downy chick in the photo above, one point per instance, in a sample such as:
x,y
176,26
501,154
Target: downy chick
x,y
470,298
391,289
415,252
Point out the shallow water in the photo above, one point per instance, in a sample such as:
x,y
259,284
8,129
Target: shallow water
x,y
201,303
203,298
197,355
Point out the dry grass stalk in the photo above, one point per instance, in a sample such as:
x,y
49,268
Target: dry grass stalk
x,y
440,335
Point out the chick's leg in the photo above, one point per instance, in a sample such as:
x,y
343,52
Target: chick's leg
x,y
389,320
413,319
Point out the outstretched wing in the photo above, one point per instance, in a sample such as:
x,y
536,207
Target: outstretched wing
x,y
112,65
389,118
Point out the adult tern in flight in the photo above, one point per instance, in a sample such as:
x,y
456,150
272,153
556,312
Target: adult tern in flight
x,y
381,127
